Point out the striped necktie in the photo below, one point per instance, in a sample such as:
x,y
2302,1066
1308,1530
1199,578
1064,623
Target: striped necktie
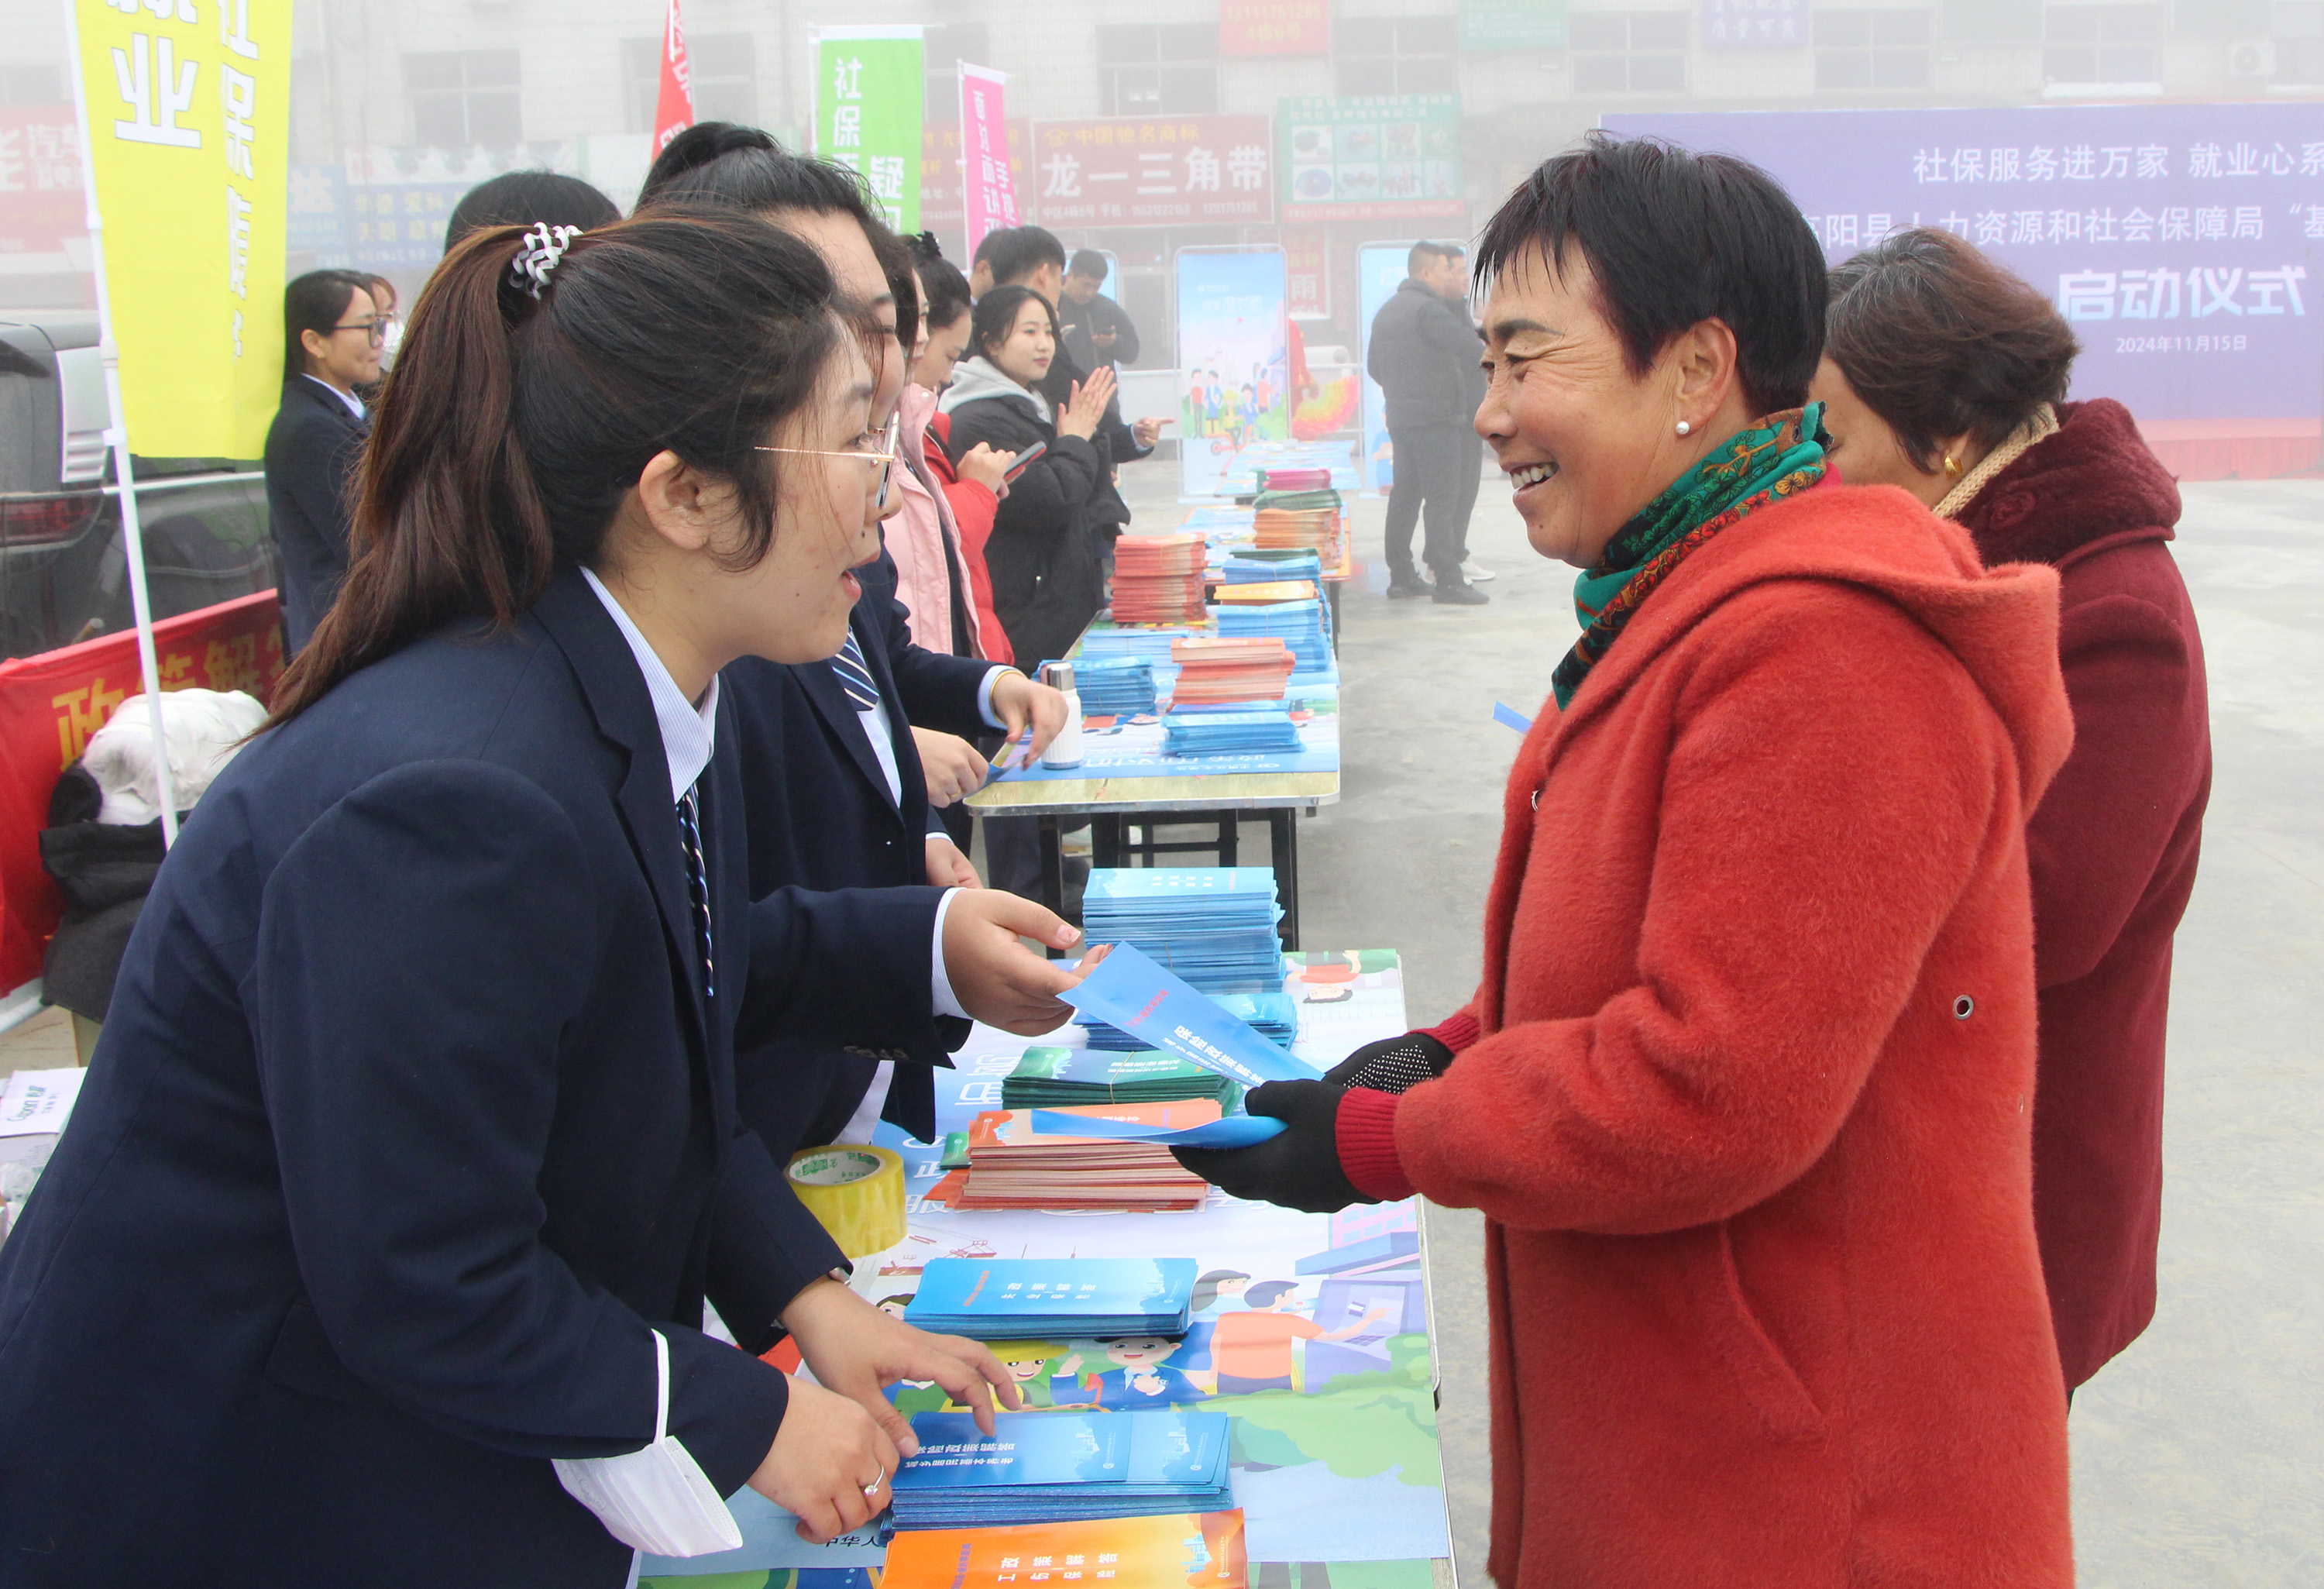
x,y
856,675
698,888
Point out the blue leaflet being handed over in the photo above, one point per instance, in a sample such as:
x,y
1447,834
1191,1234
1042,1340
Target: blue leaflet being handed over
x,y
1130,992
1231,1130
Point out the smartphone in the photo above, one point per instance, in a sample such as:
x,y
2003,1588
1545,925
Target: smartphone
x,y
1023,459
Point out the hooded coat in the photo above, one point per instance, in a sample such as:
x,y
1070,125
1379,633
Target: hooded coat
x,y
1047,583
1750,1114
2113,849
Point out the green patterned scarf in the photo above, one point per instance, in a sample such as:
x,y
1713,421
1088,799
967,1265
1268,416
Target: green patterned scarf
x,y
1779,457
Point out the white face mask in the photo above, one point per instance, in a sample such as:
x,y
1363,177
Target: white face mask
x,y
657,1499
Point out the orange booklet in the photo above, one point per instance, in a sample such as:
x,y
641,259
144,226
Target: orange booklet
x,y
1181,1551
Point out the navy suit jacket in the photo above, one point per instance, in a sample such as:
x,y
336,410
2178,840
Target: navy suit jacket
x,y
819,816
410,1114
311,449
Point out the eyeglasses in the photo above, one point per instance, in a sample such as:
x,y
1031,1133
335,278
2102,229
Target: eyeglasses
x,y
885,458
376,329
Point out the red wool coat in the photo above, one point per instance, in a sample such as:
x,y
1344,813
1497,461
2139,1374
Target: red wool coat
x,y
2112,847
1750,1115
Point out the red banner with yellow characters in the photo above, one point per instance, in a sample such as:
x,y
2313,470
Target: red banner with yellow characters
x,y
50,704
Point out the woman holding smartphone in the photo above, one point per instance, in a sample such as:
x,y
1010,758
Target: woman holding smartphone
x,y
378,1248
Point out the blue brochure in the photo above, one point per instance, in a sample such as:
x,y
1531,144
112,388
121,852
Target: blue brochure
x,y
1012,1298
1051,1467
1231,1130
1128,992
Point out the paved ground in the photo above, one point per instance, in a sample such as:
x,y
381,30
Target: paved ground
x,y
2196,1453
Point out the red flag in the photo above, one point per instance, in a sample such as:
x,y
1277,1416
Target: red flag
x,y
673,106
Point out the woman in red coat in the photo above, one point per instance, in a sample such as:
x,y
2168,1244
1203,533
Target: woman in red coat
x,y
1744,1091
1946,375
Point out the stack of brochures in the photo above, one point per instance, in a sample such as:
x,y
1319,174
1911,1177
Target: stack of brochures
x,y
1274,1015
1158,579
1024,1299
1214,926
1042,1159
1254,730
1221,671
1115,686
1054,1078
1153,645
1296,480
1297,623
1060,1467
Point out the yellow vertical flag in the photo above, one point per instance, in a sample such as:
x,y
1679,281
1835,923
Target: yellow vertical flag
x,y
187,114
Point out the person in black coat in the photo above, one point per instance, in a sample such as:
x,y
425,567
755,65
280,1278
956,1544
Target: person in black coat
x,y
411,1143
1097,330
1046,581
333,334
835,790
1424,353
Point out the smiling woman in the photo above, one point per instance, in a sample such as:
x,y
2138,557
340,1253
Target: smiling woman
x,y
1744,1090
411,1157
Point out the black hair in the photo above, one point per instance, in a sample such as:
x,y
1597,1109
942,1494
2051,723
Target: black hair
x,y
996,317
1425,253
944,291
522,199
314,302
1940,341
722,163
1674,238
897,266
697,146
1015,253
515,423
1088,262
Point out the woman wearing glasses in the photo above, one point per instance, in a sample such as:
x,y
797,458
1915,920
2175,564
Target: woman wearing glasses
x,y
377,1251
333,331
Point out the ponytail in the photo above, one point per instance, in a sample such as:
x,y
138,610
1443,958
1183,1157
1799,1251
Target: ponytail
x,y
515,425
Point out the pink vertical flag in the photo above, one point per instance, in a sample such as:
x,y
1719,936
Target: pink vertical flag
x,y
987,189
674,104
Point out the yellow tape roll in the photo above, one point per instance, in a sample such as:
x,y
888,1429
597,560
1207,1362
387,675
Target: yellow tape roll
x,y
856,1193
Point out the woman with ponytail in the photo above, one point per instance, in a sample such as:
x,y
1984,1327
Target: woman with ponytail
x,y
378,1248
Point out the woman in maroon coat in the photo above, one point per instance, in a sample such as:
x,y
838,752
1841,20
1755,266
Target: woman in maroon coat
x,y
1946,375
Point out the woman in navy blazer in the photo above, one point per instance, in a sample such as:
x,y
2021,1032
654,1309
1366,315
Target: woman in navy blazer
x,y
413,1124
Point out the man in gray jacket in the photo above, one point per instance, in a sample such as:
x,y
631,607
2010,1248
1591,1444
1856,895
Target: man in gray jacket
x,y
1424,352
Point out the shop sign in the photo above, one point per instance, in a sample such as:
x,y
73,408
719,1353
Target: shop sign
x,y
1274,27
1386,157
1512,25
1154,172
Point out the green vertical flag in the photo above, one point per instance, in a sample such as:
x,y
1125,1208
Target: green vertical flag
x,y
869,91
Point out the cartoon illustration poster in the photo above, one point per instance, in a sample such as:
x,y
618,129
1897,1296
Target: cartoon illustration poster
x,y
1232,402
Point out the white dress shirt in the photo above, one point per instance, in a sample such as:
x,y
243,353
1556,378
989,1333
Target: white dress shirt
x,y
355,404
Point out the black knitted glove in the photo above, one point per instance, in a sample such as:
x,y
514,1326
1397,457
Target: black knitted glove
x,y
1393,1064
1300,1167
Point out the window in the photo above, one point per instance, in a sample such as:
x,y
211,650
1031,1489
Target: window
x,y
2101,44
1158,71
28,83
1388,55
942,49
464,97
1881,48
721,70
2299,29
1627,51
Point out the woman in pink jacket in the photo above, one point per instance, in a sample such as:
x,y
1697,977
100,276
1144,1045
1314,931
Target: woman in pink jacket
x,y
939,556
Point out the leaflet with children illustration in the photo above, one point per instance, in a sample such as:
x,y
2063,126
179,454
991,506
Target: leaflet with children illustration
x,y
1046,1467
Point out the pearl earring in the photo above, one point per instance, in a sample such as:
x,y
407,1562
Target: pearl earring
x,y
1684,426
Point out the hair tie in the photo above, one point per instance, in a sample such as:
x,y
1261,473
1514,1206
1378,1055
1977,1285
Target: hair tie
x,y
537,254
